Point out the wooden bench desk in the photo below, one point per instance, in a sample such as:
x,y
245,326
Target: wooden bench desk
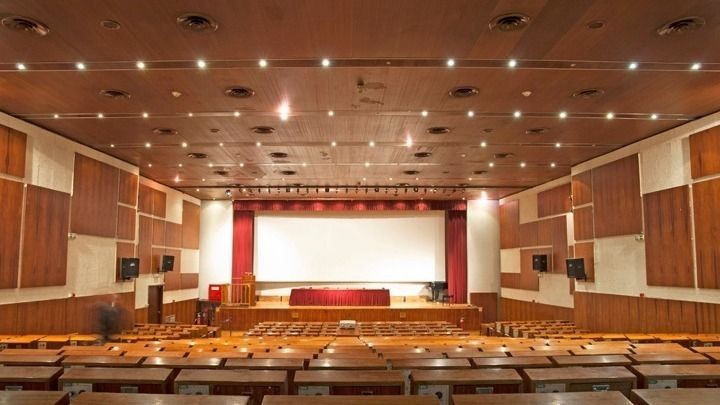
x,y
541,353
476,354
519,362
348,355
597,350
113,353
53,341
112,379
405,356
31,352
183,362
223,354
22,342
714,357
276,355
101,361
694,396
351,400
153,353
252,383
706,349
106,398
29,378
345,382
34,398
678,375
429,364
670,357
573,379
348,364
591,361
31,360
558,398
444,383
656,347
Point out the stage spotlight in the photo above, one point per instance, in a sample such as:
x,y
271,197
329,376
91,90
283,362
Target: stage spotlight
x,y
228,192
287,189
415,189
327,189
377,189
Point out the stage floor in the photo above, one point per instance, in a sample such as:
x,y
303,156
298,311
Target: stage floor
x,y
413,305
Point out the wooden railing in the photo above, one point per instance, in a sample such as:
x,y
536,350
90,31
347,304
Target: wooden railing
x,y
241,292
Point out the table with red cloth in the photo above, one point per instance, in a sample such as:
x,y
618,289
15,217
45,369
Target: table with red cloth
x,y
343,297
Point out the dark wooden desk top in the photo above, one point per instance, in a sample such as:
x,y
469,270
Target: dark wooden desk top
x,y
347,377
675,371
348,355
106,398
598,350
31,352
703,349
29,360
350,400
669,357
224,354
421,355
474,354
546,353
451,377
511,362
715,357
585,361
348,364
182,362
232,377
34,398
265,364
429,364
675,396
153,353
116,375
558,398
106,361
579,374
113,353
276,355
23,373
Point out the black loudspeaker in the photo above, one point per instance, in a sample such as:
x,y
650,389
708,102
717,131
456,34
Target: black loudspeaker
x,y
167,263
540,263
576,268
129,268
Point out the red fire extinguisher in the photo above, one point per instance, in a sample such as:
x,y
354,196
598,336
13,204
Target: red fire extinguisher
x,y
462,323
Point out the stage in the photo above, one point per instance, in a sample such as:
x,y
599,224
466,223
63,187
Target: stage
x,y
232,317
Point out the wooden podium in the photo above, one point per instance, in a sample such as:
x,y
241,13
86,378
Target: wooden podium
x,y
241,292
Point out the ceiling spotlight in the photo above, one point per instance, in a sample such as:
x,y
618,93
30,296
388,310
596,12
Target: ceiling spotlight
x,y
210,164
258,144
149,164
221,144
424,113
179,164
325,62
145,115
197,190
408,141
517,114
80,66
147,144
20,66
262,63
202,179
112,145
190,114
236,114
367,164
695,66
450,62
557,144
491,164
512,63
201,64
653,116
228,192
389,178
284,111
331,113
304,164
552,164
371,143
184,144
469,178
333,144
522,164
632,65
471,113
140,64
56,115
483,144
609,115
562,115
100,115
242,164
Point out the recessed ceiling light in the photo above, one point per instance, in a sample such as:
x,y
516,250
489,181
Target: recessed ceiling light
x,y
236,114
197,189
333,143
147,144
145,115
177,179
331,113
140,64
184,144
21,66
483,144
201,64
517,114
450,62
408,141
562,115
512,63
367,164
371,143
221,144
469,178
695,66
304,164
149,164
389,178
552,164
56,115
242,164
471,113
80,66
653,116
258,144
364,179
190,114
632,65
491,164
210,164
284,111
262,63
112,145
609,115
202,179
522,164
179,164
325,62
424,113
100,115
557,145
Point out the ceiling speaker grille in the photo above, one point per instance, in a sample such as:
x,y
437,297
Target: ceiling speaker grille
x,y
422,154
464,91
239,92
262,129
165,131
115,94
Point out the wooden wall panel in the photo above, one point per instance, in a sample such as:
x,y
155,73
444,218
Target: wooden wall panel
x,y
13,145
42,317
509,225
582,188
94,199
173,278
706,206
8,319
554,201
173,234
45,240
11,200
528,278
705,153
489,304
617,203
510,280
190,225
189,281
158,232
81,312
184,311
123,250
128,188
583,223
159,203
586,251
145,199
528,234
156,259
559,244
126,223
668,238
545,232
141,315
144,250
517,310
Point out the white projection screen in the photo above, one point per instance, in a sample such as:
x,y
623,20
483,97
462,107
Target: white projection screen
x,y
375,246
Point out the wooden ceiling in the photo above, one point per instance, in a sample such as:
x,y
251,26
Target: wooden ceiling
x,y
388,63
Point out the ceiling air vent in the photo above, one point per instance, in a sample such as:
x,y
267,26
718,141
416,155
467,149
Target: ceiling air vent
x,y
438,130
288,172
509,22
464,91
504,155
403,184
681,26
588,93
26,25
197,155
422,154
165,131
197,23
222,172
115,94
262,129
411,172
110,25
479,172
536,131
278,155
239,92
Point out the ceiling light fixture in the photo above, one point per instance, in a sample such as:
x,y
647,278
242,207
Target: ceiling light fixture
x,y
236,114
304,164
557,145
450,62
284,111
201,64
609,115
147,144
491,164
262,63
221,144
140,65
517,114
179,164
367,164
333,144
371,144
56,115
408,141
184,144
552,164
325,62
210,164
112,145
149,164
483,144
100,115
471,114
632,65
145,115
258,144
562,115
653,116
21,66
331,113
80,66
522,164
512,63
695,66
424,113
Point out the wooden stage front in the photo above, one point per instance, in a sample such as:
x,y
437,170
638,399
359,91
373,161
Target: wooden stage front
x,y
232,317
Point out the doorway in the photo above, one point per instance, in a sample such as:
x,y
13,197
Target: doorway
x,y
155,304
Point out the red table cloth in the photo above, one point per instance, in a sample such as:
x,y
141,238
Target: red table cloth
x,y
309,296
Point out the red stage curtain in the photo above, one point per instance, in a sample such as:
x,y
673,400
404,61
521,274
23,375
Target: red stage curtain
x,y
456,255
348,297
243,229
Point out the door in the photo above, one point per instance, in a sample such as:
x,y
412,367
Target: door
x,y
155,303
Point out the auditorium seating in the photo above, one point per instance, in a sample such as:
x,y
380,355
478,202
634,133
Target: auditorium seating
x,y
431,328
